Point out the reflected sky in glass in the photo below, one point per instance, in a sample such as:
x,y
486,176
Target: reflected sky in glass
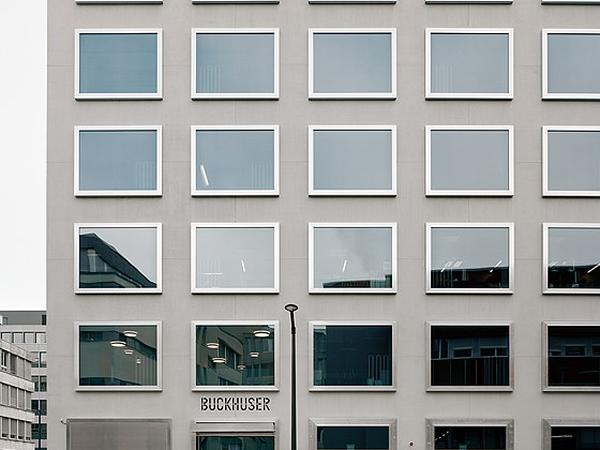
x,y
574,160
573,63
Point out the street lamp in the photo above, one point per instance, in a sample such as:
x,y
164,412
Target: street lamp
x,y
292,308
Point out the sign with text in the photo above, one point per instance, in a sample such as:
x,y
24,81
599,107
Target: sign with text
x,y
247,404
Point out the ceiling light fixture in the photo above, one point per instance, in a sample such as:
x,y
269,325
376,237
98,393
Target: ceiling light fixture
x,y
218,360
261,333
128,351
130,333
212,345
118,344
254,354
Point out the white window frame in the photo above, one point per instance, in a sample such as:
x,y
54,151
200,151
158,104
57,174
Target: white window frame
x,y
314,424
511,258
119,193
469,193
121,95
276,258
431,388
547,192
469,95
509,424
312,191
546,325
156,290
546,95
311,254
311,355
236,192
120,323
219,323
237,95
312,95
546,241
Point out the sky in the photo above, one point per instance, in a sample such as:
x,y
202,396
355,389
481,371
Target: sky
x,y
23,148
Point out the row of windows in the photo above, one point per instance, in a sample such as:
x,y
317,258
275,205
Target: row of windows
x,y
343,258
352,63
14,364
14,397
15,429
19,337
558,2
343,356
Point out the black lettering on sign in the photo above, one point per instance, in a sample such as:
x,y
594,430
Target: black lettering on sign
x,y
243,404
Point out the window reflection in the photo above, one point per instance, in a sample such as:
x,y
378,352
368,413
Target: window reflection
x,y
573,63
574,356
470,437
353,437
575,438
235,443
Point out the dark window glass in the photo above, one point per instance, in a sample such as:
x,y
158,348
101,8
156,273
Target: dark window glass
x,y
469,437
118,355
39,405
235,355
235,443
470,356
347,355
575,438
573,357
39,431
367,438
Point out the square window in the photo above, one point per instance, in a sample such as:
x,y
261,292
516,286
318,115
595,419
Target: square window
x,y
352,160
238,356
473,370
481,434
571,161
114,64
469,258
368,434
352,63
469,160
469,63
250,265
352,258
571,434
351,356
118,258
571,64
118,356
235,160
235,63
118,161
111,434
571,258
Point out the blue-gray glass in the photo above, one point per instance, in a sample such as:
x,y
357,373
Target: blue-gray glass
x,y
574,356
124,355
469,258
234,160
352,160
476,63
352,62
229,63
573,258
470,438
235,355
575,438
348,355
352,257
118,63
119,434
235,443
470,356
469,160
573,63
574,160
363,437
117,160
111,258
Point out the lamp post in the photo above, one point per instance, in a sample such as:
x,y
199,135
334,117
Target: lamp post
x,y
292,308
38,413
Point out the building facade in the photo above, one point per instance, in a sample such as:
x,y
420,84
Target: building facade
x,y
420,177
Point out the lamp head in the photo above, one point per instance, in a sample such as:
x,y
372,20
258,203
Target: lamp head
x,y
291,307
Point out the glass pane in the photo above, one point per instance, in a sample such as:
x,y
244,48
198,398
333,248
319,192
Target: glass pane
x,y
352,62
98,434
17,338
573,258
469,63
340,437
118,63
469,258
352,159
574,356
235,442
352,258
475,438
466,160
112,258
575,438
235,63
118,355
117,160
234,160
346,355
573,63
574,160
233,355
470,356
248,261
